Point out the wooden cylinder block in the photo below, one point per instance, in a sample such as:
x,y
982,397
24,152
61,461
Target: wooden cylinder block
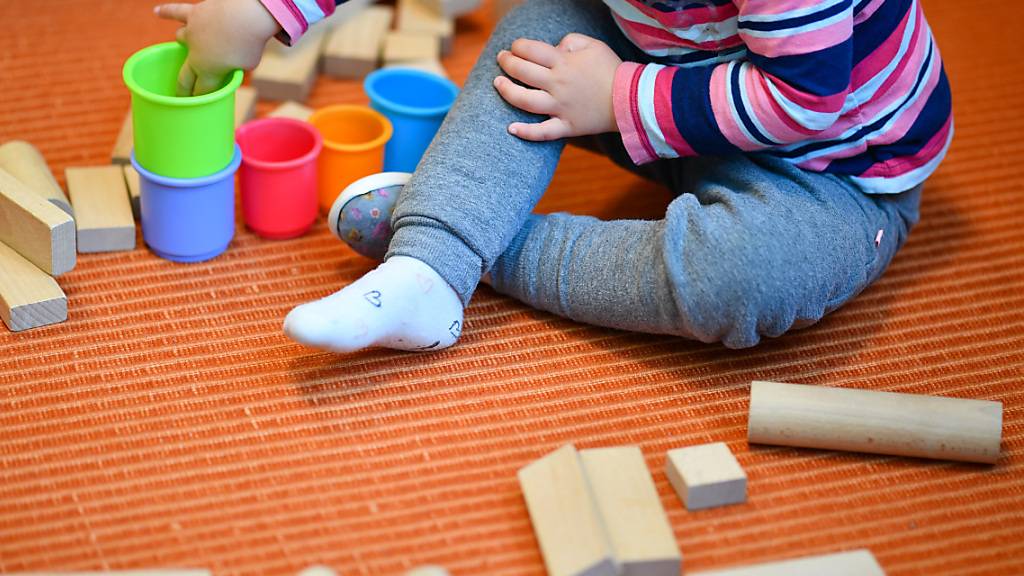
x,y
876,422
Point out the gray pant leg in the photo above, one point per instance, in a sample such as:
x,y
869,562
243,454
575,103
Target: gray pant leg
x,y
755,247
477,184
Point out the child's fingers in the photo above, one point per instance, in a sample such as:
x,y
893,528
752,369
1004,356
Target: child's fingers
x,y
537,52
575,41
550,129
186,80
206,83
523,70
535,101
182,35
177,11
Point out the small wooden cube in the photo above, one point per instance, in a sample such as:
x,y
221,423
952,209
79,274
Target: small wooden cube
x,y
706,476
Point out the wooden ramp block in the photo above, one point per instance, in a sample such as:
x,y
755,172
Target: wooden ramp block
x,y
628,502
419,17
855,563
35,228
353,49
291,110
876,422
245,104
400,47
132,180
102,208
23,161
706,476
29,297
565,518
122,153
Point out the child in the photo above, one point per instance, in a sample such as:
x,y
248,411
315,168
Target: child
x,y
796,135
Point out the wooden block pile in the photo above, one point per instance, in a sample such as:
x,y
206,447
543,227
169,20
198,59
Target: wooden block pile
x,y
358,39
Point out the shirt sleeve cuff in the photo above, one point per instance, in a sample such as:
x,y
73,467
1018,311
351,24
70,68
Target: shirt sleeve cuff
x,y
296,16
627,113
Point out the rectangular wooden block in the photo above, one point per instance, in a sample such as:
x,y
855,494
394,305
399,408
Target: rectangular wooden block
x,y
23,161
628,502
122,153
432,66
402,47
288,73
291,110
132,180
245,104
572,538
29,297
353,49
706,476
872,421
35,228
854,563
102,207
420,17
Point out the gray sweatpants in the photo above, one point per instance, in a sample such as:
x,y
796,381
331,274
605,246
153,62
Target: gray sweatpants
x,y
750,246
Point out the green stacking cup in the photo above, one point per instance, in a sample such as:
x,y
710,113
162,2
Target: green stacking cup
x,y
178,137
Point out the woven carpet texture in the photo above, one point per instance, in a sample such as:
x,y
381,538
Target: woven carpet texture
x,y
170,423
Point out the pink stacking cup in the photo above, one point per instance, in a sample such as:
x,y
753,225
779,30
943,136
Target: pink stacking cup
x,y
278,176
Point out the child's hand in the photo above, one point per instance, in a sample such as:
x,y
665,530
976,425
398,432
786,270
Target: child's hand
x,y
222,36
574,86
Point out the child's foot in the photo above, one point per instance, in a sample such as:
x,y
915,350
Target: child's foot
x,y
361,216
402,304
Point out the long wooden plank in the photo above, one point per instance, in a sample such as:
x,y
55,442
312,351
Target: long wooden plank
x,y
876,422
35,228
353,49
134,183
628,502
855,563
572,538
23,161
419,17
29,297
103,208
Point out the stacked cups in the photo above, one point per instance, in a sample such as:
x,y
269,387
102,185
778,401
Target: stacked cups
x,y
186,156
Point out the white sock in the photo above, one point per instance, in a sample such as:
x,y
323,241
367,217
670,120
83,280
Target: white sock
x,y
402,304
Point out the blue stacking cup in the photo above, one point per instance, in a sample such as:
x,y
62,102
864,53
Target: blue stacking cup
x,y
188,219
416,103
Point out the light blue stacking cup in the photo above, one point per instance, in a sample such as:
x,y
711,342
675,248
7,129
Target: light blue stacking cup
x,y
188,219
416,103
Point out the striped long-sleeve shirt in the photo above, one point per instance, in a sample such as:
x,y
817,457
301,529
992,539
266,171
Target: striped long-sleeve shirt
x,y
850,87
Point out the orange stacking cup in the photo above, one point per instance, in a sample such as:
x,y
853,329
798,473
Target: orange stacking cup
x,y
354,139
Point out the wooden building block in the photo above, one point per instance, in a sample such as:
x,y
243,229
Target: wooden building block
x,y
854,563
122,153
453,8
245,104
628,502
402,47
877,422
706,476
428,571
23,161
291,110
432,66
29,297
420,17
353,48
572,538
132,180
35,228
102,208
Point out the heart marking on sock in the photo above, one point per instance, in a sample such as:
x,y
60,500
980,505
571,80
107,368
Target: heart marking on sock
x,y
455,329
426,284
373,297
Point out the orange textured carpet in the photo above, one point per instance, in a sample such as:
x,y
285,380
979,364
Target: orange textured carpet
x,y
169,422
